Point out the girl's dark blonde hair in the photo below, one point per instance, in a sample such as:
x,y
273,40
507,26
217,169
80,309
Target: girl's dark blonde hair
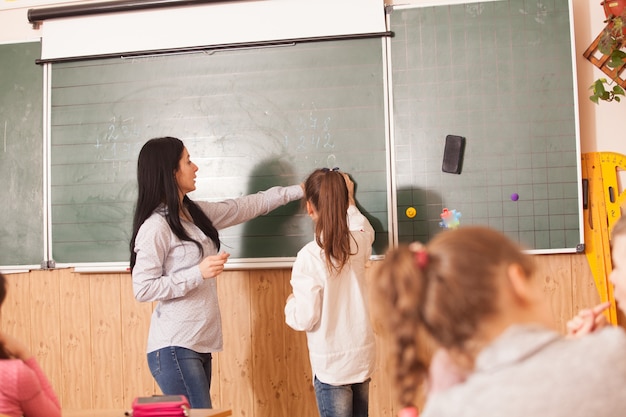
x,y
444,290
327,191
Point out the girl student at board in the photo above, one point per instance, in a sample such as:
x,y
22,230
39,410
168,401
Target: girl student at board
x,y
329,298
175,259
475,293
24,388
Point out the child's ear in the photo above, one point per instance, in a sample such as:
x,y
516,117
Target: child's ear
x,y
521,284
309,208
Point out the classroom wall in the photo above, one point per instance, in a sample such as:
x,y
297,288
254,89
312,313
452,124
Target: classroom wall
x,y
597,122
89,333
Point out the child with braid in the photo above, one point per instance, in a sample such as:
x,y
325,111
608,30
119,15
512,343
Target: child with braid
x,y
474,293
329,299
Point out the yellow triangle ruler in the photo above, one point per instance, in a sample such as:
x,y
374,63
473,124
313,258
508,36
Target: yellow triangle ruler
x,y
602,202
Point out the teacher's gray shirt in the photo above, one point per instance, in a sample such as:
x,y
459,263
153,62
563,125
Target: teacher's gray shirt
x,y
166,270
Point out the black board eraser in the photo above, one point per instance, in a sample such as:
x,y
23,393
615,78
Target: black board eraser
x,y
453,154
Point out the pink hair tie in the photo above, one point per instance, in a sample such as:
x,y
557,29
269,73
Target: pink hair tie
x,y
408,412
420,255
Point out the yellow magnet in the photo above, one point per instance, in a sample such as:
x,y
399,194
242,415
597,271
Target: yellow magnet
x,y
410,212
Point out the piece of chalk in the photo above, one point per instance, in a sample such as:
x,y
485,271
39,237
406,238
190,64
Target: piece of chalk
x,y
514,196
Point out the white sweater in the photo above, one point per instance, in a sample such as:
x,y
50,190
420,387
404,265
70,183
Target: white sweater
x,y
334,310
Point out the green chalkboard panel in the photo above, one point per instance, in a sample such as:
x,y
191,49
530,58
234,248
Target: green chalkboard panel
x,y
251,119
21,155
500,74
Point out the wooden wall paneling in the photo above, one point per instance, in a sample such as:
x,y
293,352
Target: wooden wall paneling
x,y
300,392
15,314
135,316
554,271
216,383
269,379
584,291
76,389
235,364
107,342
45,326
89,334
382,397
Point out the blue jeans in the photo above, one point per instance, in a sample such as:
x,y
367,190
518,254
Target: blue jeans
x,y
180,371
342,400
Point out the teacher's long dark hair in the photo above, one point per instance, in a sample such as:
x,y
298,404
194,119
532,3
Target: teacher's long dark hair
x,y
156,167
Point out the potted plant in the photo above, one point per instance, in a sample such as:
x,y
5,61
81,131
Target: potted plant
x,y
611,44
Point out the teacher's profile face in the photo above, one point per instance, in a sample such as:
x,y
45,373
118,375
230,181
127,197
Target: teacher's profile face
x,y
186,173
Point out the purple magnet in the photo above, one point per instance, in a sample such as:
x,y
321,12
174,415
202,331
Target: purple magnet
x,y
514,196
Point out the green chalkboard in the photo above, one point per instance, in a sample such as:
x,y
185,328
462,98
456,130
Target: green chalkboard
x,y
251,119
21,155
500,74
